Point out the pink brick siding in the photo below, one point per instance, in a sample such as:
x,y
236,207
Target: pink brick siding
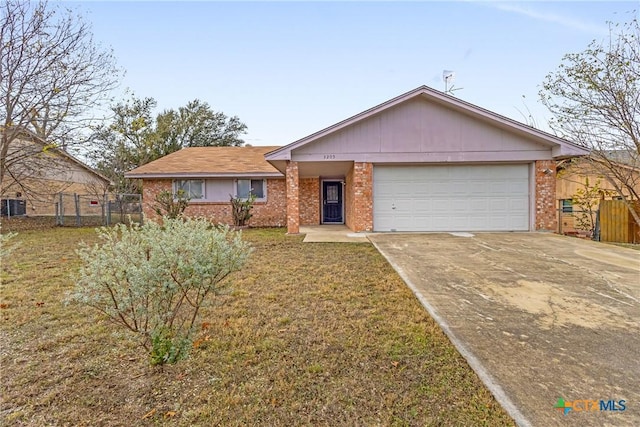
x,y
545,203
309,201
304,200
293,198
359,197
271,213
348,199
150,189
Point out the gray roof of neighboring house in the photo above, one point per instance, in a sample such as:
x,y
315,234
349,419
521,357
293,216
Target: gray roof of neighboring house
x,y
623,156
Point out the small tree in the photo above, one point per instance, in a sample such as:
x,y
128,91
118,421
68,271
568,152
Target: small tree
x,y
170,205
587,199
241,209
594,97
154,279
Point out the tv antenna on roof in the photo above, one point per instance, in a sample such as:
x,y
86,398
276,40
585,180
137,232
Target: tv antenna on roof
x,y
449,76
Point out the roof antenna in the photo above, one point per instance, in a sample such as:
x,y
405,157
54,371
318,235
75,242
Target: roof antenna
x,y
449,76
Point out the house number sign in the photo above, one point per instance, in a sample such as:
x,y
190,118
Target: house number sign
x,y
329,156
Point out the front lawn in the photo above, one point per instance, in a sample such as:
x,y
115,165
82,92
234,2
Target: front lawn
x,y
309,334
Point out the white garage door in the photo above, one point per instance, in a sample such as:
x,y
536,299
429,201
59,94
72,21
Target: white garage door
x,y
451,198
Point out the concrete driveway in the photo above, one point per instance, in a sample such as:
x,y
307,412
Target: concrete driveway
x,y
538,316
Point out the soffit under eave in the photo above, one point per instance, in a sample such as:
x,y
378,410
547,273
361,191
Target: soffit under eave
x,y
560,151
281,165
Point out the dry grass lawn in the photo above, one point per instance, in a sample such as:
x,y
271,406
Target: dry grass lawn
x,y
309,334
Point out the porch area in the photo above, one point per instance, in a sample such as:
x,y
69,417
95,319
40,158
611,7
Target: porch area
x,y
331,234
329,194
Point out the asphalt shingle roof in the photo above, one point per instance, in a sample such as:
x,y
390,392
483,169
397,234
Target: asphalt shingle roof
x,y
209,161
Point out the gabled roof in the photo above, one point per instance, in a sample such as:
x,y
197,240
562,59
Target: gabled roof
x,y
560,147
213,162
52,148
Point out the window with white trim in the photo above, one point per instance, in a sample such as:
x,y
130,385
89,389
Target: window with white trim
x,y
194,188
245,187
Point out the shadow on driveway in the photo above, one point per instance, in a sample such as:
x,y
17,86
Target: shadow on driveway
x,y
538,316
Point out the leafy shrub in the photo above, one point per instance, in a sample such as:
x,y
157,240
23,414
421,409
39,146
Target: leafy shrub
x,y
241,210
170,205
153,279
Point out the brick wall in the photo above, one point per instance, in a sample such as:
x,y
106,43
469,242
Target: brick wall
x,y
546,215
359,195
348,199
309,201
271,213
150,189
293,198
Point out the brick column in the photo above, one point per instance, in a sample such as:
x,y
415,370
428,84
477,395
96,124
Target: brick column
x,y
362,196
293,198
150,190
546,215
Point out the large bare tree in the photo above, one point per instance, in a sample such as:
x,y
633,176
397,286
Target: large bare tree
x,y
52,75
594,97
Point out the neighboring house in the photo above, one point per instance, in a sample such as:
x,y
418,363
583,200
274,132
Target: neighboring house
x,y
211,175
579,175
423,161
38,172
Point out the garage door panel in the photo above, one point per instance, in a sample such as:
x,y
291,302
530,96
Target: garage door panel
x,y
479,204
457,205
518,186
521,205
424,205
451,198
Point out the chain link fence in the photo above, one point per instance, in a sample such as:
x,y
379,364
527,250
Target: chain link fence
x,y
88,210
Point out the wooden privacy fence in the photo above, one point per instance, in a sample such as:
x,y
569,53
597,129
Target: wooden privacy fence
x,y
617,223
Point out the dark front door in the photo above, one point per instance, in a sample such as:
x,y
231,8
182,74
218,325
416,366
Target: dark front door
x,y
332,202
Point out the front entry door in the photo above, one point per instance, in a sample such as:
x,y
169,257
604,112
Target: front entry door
x,y
332,202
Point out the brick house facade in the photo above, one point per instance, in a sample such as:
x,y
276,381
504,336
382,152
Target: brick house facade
x,y
424,140
424,161
271,213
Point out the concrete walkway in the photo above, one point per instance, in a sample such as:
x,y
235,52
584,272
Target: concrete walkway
x,y
332,233
538,316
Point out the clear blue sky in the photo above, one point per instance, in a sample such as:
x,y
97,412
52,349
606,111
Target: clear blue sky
x,y
288,69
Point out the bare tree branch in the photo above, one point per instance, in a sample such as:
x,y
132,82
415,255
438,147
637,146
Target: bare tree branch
x,y
52,75
594,97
